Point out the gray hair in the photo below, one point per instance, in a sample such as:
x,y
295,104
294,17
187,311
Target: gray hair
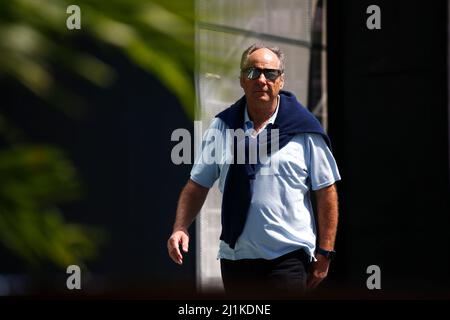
x,y
255,47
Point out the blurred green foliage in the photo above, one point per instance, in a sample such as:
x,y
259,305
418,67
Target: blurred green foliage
x,y
34,180
156,35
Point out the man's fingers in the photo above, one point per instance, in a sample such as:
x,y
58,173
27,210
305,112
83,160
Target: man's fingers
x,y
178,239
174,251
176,256
309,281
313,281
185,242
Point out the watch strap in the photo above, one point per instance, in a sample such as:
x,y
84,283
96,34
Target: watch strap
x,y
329,254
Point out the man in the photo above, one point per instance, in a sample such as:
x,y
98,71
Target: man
x,y
268,240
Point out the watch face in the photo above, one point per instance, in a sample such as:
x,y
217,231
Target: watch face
x,y
331,255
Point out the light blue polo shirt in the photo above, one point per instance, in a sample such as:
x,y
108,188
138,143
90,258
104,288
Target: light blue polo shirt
x,y
280,218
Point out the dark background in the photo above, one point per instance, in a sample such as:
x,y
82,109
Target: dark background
x,y
388,117
121,148
389,125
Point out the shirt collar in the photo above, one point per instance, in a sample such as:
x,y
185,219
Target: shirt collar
x,y
249,123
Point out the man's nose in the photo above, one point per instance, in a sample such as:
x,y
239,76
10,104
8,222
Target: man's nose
x,y
262,78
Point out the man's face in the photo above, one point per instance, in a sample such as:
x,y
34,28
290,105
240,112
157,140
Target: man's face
x,y
262,89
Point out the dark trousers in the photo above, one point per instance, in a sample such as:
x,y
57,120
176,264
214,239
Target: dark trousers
x,y
283,276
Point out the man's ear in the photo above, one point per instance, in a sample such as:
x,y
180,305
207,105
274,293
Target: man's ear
x,y
282,81
241,81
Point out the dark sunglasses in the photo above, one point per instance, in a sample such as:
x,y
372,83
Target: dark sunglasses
x,y
270,74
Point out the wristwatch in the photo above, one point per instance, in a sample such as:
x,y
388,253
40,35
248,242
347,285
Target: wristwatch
x,y
329,254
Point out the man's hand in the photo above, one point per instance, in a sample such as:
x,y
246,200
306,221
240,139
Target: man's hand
x,y
191,200
179,237
318,271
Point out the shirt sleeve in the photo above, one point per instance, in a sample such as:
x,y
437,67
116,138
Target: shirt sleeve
x,y
323,170
206,170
